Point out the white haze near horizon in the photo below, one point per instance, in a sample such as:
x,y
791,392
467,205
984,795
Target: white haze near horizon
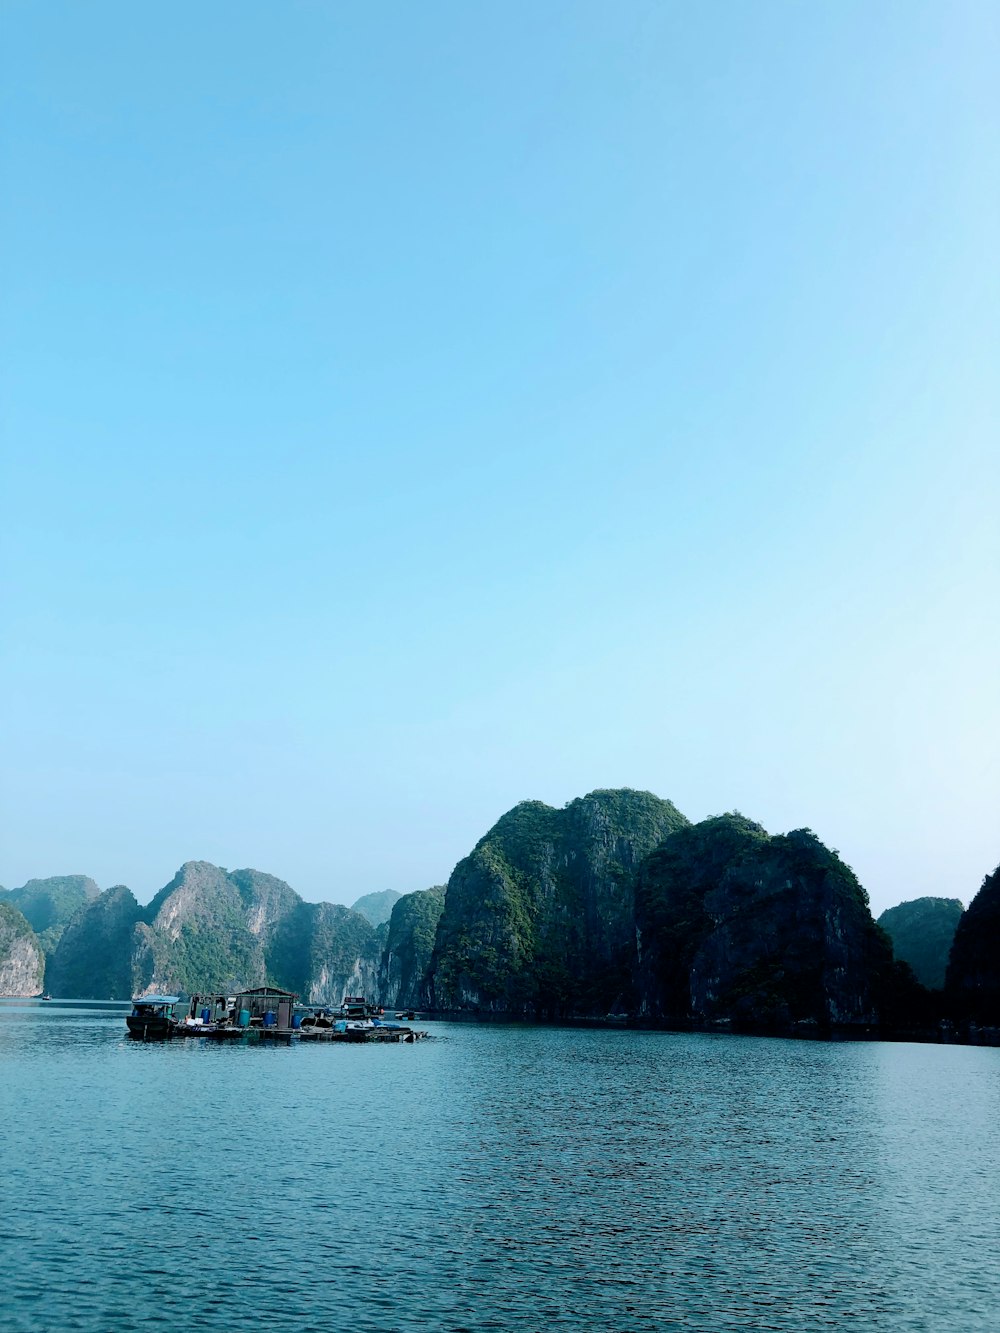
x,y
408,411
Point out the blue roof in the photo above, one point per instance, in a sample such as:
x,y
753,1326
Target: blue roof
x,y
156,999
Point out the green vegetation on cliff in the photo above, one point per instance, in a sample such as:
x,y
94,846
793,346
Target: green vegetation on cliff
x,y
93,959
671,918
323,950
214,930
762,931
539,918
922,932
200,936
409,946
15,924
49,904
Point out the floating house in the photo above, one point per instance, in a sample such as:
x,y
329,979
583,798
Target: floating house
x,y
267,1008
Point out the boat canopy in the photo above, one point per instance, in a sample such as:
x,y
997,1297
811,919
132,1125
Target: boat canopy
x,y
156,999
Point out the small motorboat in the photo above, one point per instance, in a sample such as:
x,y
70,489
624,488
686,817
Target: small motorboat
x,y
152,1017
357,1009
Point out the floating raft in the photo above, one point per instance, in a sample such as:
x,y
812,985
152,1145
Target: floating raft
x,y
382,1034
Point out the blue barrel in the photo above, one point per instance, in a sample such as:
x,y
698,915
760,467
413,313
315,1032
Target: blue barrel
x,y
206,1015
244,1019
296,1021
269,1019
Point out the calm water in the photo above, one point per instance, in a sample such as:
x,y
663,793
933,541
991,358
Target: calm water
x,y
493,1178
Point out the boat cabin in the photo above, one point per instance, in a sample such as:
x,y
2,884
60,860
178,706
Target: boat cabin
x,y
152,1016
357,1008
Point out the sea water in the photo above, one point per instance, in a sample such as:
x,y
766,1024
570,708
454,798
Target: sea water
x,y
493,1177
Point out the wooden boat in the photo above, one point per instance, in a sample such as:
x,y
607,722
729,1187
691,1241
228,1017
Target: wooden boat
x,y
152,1017
316,1022
357,1009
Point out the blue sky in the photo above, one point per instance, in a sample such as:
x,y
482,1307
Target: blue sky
x,y
411,409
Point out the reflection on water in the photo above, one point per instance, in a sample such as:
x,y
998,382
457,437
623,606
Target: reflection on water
x,y
495,1178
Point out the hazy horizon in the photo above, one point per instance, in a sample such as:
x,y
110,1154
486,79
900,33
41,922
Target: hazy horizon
x,y
411,411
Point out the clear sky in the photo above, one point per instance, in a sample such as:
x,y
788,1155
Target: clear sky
x,y
409,409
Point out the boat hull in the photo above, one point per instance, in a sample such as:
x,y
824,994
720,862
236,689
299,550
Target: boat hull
x,y
152,1028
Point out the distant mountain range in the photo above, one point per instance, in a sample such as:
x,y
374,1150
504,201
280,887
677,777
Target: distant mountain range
x,y
922,933
377,907
613,905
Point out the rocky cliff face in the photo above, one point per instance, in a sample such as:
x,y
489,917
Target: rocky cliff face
x,y
922,932
672,921
200,935
214,930
49,904
409,947
758,930
539,918
324,951
22,962
792,940
973,978
93,959
266,902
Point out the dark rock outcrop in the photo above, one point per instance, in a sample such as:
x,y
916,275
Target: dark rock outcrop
x,y
972,984
22,961
672,920
539,918
922,932
763,932
792,940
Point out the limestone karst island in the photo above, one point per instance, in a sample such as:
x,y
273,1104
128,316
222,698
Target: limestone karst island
x,y
615,908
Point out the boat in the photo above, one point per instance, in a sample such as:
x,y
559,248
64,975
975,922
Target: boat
x,y
357,1009
46,996
316,1022
152,1017
361,1020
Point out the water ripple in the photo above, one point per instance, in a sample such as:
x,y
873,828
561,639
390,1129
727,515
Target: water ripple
x,y
496,1178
